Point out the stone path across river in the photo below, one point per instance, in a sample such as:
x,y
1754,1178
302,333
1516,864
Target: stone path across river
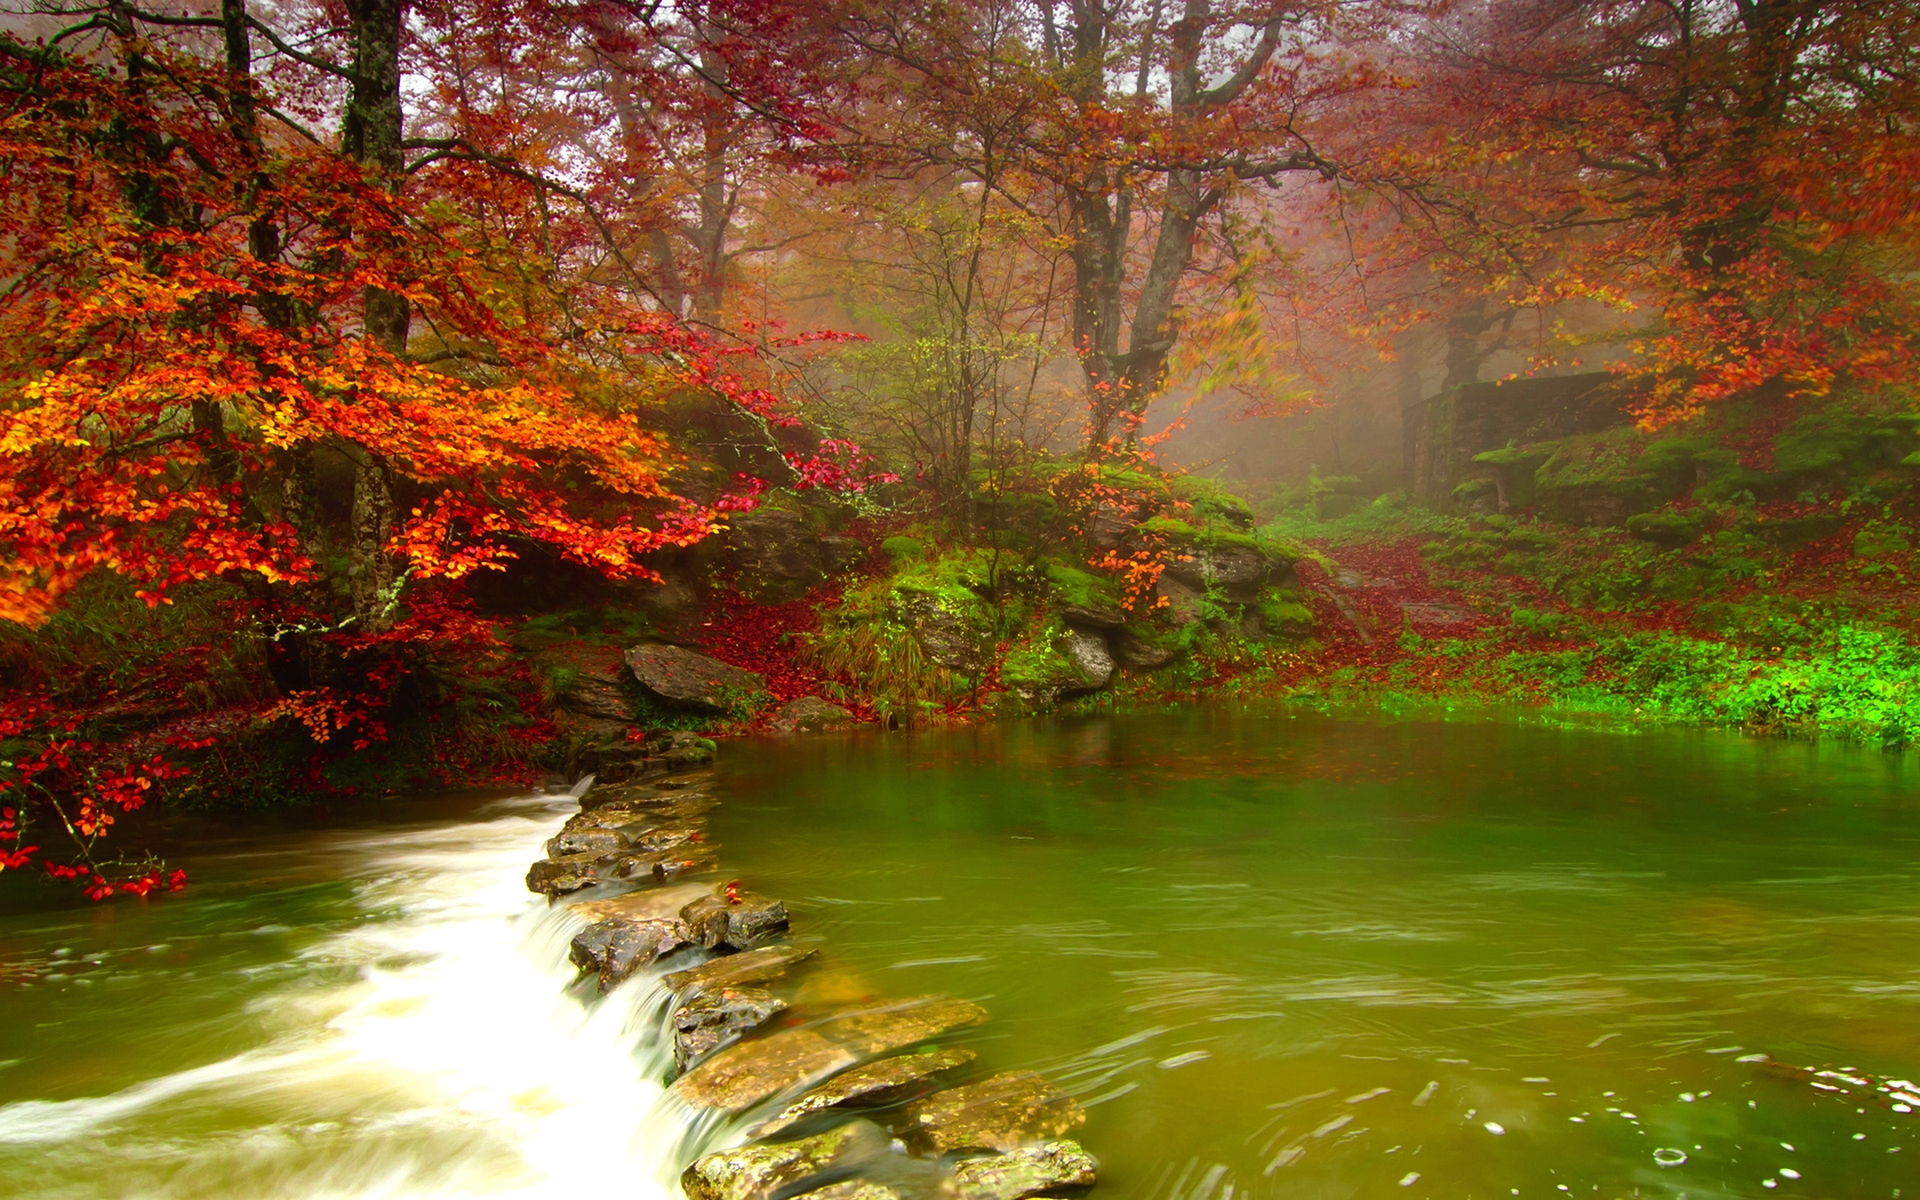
x,y
853,1103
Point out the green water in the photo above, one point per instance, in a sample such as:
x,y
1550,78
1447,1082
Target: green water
x,y
1308,957
1286,956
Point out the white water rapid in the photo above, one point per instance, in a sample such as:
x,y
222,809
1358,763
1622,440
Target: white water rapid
x,y
435,1049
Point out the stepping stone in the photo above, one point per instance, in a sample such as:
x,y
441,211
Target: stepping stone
x,y
719,1018
754,966
881,1082
647,904
586,841
764,1172
744,1075
729,917
1002,1113
619,947
1028,1171
572,872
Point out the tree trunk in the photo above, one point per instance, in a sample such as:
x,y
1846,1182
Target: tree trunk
x,y
372,138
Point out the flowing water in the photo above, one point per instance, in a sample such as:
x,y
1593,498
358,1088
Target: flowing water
x,y
1273,955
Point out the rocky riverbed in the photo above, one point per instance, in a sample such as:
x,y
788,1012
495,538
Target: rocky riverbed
x,y
859,1102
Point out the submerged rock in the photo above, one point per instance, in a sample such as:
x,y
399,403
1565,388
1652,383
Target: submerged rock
x,y
682,676
1028,1171
768,1172
809,714
616,948
729,917
883,1082
743,1075
1001,1113
855,1189
893,1026
717,1018
754,966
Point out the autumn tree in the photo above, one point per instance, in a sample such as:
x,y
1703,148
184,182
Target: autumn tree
x,y
1736,180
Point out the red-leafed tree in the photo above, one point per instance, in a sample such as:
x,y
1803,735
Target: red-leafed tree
x,y
1738,180
209,298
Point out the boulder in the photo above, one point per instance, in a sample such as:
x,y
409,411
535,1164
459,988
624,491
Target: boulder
x,y
1001,1113
618,947
744,1075
1183,601
776,554
1087,651
716,1018
764,1172
948,637
571,873
682,676
842,554
733,918
809,714
1029,1171
884,1082
1094,616
754,966
1136,654
1238,569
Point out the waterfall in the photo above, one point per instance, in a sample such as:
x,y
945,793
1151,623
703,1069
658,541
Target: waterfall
x,y
438,1047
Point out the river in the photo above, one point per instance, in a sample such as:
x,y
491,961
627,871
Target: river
x,y
1272,954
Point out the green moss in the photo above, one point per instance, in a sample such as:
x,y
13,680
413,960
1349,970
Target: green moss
x,y
1212,502
1878,540
1666,528
898,548
1282,613
1073,586
1171,528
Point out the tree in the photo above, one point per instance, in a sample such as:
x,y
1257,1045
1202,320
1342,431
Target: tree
x,y
200,307
1742,174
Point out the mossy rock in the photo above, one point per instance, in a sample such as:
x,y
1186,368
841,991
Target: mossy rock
x,y
1212,502
1792,532
1082,588
901,548
1666,528
1282,614
1469,490
1173,529
1882,541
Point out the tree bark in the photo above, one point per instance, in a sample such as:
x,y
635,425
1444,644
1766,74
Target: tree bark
x,y
371,137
